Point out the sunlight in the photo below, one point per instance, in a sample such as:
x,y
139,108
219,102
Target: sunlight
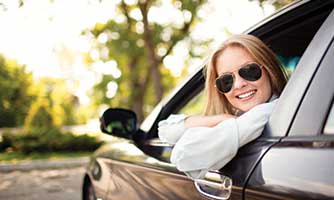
x,y
102,38
136,14
112,89
107,68
38,27
166,15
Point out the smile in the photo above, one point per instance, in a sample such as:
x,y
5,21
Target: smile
x,y
246,95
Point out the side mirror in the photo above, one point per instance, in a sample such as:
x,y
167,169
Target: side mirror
x,y
119,122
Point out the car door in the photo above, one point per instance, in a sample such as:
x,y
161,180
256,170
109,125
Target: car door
x,y
301,165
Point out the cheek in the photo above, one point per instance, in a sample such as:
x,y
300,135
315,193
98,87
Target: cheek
x,y
233,101
229,96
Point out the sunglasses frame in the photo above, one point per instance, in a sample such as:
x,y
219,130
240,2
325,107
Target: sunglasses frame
x,y
233,76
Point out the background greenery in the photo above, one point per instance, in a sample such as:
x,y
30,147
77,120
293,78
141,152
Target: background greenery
x,y
47,140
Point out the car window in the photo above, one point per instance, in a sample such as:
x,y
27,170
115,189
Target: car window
x,y
329,126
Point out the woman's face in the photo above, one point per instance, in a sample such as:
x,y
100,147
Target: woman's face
x,y
244,94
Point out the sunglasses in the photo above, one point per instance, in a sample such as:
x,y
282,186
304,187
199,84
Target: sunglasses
x,y
249,72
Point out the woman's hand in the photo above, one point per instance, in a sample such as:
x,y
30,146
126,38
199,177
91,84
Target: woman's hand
x,y
206,121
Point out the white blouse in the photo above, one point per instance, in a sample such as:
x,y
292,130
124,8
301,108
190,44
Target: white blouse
x,y
200,149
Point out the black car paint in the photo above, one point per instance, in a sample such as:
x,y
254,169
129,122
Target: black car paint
x,y
259,169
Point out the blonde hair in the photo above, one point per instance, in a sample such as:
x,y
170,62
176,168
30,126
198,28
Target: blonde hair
x,y
261,53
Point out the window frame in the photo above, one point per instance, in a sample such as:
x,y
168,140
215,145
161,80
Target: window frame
x,y
310,119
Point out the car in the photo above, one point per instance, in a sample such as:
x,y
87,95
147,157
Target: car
x,y
292,159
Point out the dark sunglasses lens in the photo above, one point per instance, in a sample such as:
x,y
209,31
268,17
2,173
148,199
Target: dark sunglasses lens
x,y
251,72
225,83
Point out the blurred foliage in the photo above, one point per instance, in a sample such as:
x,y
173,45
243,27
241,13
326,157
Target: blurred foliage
x,y
39,115
15,96
139,45
47,140
54,105
45,102
277,3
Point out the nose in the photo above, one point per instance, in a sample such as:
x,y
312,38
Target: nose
x,y
239,82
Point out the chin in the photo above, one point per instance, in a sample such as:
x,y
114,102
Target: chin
x,y
248,106
245,109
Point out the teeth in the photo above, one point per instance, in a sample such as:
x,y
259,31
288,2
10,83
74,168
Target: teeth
x,y
246,94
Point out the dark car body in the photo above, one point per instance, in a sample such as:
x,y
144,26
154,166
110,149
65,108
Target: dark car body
x,y
292,159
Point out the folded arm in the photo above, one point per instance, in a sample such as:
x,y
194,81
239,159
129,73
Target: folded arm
x,y
172,129
205,121
201,149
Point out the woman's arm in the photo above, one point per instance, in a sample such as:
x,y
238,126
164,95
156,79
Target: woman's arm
x,y
172,129
209,148
206,121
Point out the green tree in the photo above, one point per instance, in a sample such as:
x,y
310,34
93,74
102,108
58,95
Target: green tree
x,y
139,45
15,96
55,105
39,116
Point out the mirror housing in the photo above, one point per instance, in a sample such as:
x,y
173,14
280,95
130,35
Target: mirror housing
x,y
119,122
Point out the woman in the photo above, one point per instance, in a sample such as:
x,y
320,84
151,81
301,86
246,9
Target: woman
x,y
243,79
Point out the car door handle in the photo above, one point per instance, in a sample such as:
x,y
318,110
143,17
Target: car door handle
x,y
215,186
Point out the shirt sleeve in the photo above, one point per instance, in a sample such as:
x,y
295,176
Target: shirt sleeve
x,y
171,129
201,149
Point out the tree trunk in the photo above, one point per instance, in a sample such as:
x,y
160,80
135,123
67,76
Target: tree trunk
x,y
152,59
137,105
136,100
